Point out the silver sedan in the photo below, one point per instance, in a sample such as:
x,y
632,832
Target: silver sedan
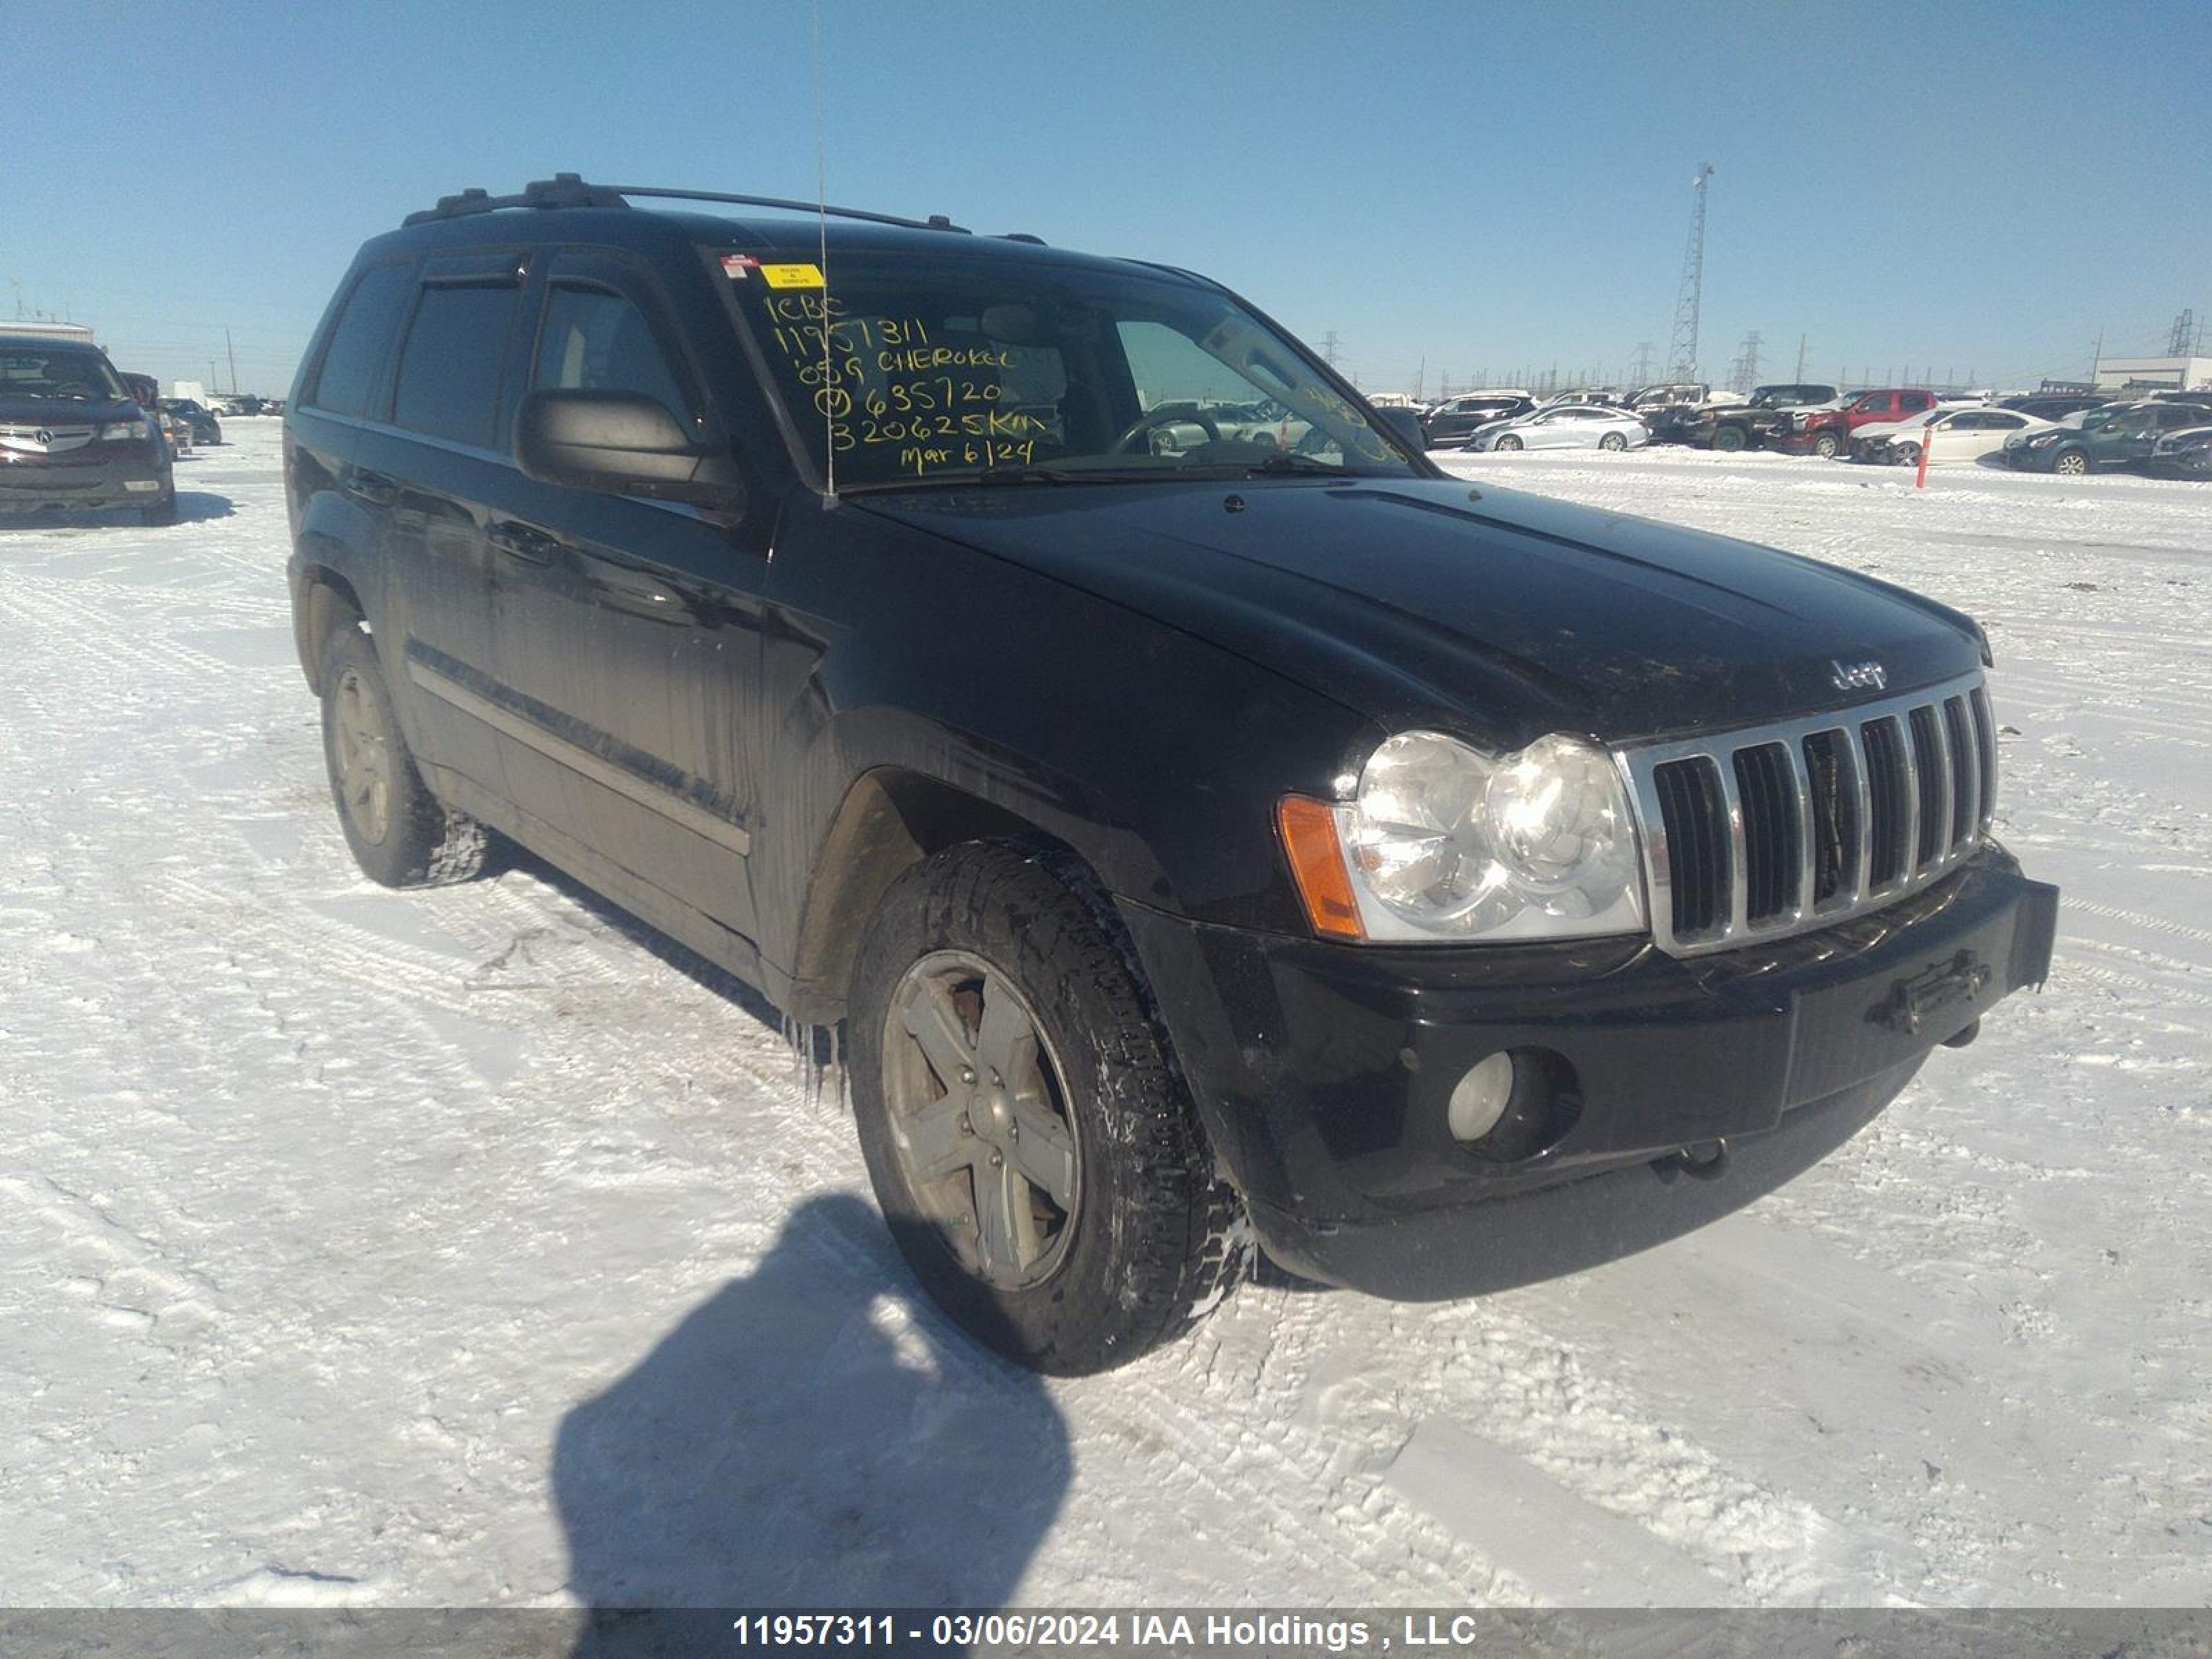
x,y
1569,426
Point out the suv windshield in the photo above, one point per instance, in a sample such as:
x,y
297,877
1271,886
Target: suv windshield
x,y
65,373
917,369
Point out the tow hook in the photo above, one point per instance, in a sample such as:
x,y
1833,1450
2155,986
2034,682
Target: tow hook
x,y
1706,1161
1961,979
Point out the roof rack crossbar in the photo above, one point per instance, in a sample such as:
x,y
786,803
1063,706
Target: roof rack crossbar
x,y
567,189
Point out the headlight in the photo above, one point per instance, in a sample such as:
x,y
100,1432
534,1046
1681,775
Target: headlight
x,y
1444,842
2036,439
122,432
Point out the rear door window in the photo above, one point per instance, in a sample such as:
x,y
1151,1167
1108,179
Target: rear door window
x,y
347,379
449,369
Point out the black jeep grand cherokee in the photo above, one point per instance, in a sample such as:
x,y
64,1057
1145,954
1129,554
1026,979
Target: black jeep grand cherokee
x,y
1199,835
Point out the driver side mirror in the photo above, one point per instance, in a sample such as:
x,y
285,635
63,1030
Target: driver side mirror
x,y
621,443
1406,424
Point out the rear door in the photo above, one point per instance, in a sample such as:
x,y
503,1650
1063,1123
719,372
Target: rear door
x,y
433,463
629,630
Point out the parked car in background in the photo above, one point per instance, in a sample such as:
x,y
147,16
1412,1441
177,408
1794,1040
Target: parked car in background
x,y
1571,426
1827,432
1758,420
2118,436
206,429
2055,407
1450,424
2183,454
1951,435
72,434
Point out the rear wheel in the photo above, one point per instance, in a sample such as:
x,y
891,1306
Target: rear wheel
x,y
163,511
1034,1149
2072,463
399,834
1615,441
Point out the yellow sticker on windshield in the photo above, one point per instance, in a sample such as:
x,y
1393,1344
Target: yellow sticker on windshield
x,y
792,276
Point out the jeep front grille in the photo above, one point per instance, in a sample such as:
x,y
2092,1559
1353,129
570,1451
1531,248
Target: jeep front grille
x,y
1760,833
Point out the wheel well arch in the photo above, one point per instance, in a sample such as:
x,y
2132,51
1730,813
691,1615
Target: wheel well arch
x,y
890,820
325,598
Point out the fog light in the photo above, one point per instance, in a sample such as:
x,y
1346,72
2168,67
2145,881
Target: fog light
x,y
143,486
1480,1097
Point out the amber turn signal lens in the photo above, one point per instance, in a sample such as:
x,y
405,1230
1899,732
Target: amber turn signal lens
x,y
1308,828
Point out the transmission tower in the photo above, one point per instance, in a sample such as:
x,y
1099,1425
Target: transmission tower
x,y
1743,375
1328,348
2185,332
1639,371
1682,351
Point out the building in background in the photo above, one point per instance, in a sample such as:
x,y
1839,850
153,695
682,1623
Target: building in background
x,y
2154,373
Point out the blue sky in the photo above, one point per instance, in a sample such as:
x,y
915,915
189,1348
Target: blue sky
x,y
1941,185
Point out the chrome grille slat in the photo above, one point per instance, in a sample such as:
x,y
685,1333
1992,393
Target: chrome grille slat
x,y
1801,782
1965,773
1739,882
1985,744
1862,826
1737,841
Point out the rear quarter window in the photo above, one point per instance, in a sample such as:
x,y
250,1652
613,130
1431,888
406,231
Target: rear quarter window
x,y
347,378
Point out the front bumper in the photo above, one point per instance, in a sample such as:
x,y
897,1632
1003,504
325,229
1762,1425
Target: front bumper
x,y
1322,1071
97,476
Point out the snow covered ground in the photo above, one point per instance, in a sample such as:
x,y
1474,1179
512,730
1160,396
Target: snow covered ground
x,y
472,1248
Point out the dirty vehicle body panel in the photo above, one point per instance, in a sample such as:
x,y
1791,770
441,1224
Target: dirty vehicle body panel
x,y
744,724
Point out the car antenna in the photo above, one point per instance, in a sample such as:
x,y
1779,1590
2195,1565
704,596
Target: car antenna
x,y
822,224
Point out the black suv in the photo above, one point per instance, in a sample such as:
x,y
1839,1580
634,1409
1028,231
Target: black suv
x,y
1197,844
1754,424
71,434
1450,424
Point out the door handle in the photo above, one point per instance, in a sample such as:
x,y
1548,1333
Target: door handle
x,y
371,487
520,541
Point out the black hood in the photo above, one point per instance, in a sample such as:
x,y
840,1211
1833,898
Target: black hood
x,y
65,411
1495,613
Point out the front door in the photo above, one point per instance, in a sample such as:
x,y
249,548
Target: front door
x,y
628,635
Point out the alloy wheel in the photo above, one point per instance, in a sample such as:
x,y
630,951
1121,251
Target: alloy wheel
x,y
982,1119
364,758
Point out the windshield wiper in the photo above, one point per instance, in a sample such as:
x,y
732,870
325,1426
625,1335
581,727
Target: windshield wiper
x,y
994,477
1304,465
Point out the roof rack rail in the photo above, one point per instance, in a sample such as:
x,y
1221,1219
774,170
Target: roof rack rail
x,y
567,189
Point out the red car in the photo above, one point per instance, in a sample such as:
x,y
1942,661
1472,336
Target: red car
x,y
1827,432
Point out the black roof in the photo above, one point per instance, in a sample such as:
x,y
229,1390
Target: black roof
x,y
565,206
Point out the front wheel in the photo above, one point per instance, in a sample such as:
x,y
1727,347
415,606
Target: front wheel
x,y
1729,440
1905,454
1827,446
1034,1150
2070,463
1615,441
1507,443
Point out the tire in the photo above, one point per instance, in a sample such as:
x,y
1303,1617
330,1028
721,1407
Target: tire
x,y
1131,1237
1905,454
1729,440
2070,463
1614,441
163,511
1827,446
399,834
1506,443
